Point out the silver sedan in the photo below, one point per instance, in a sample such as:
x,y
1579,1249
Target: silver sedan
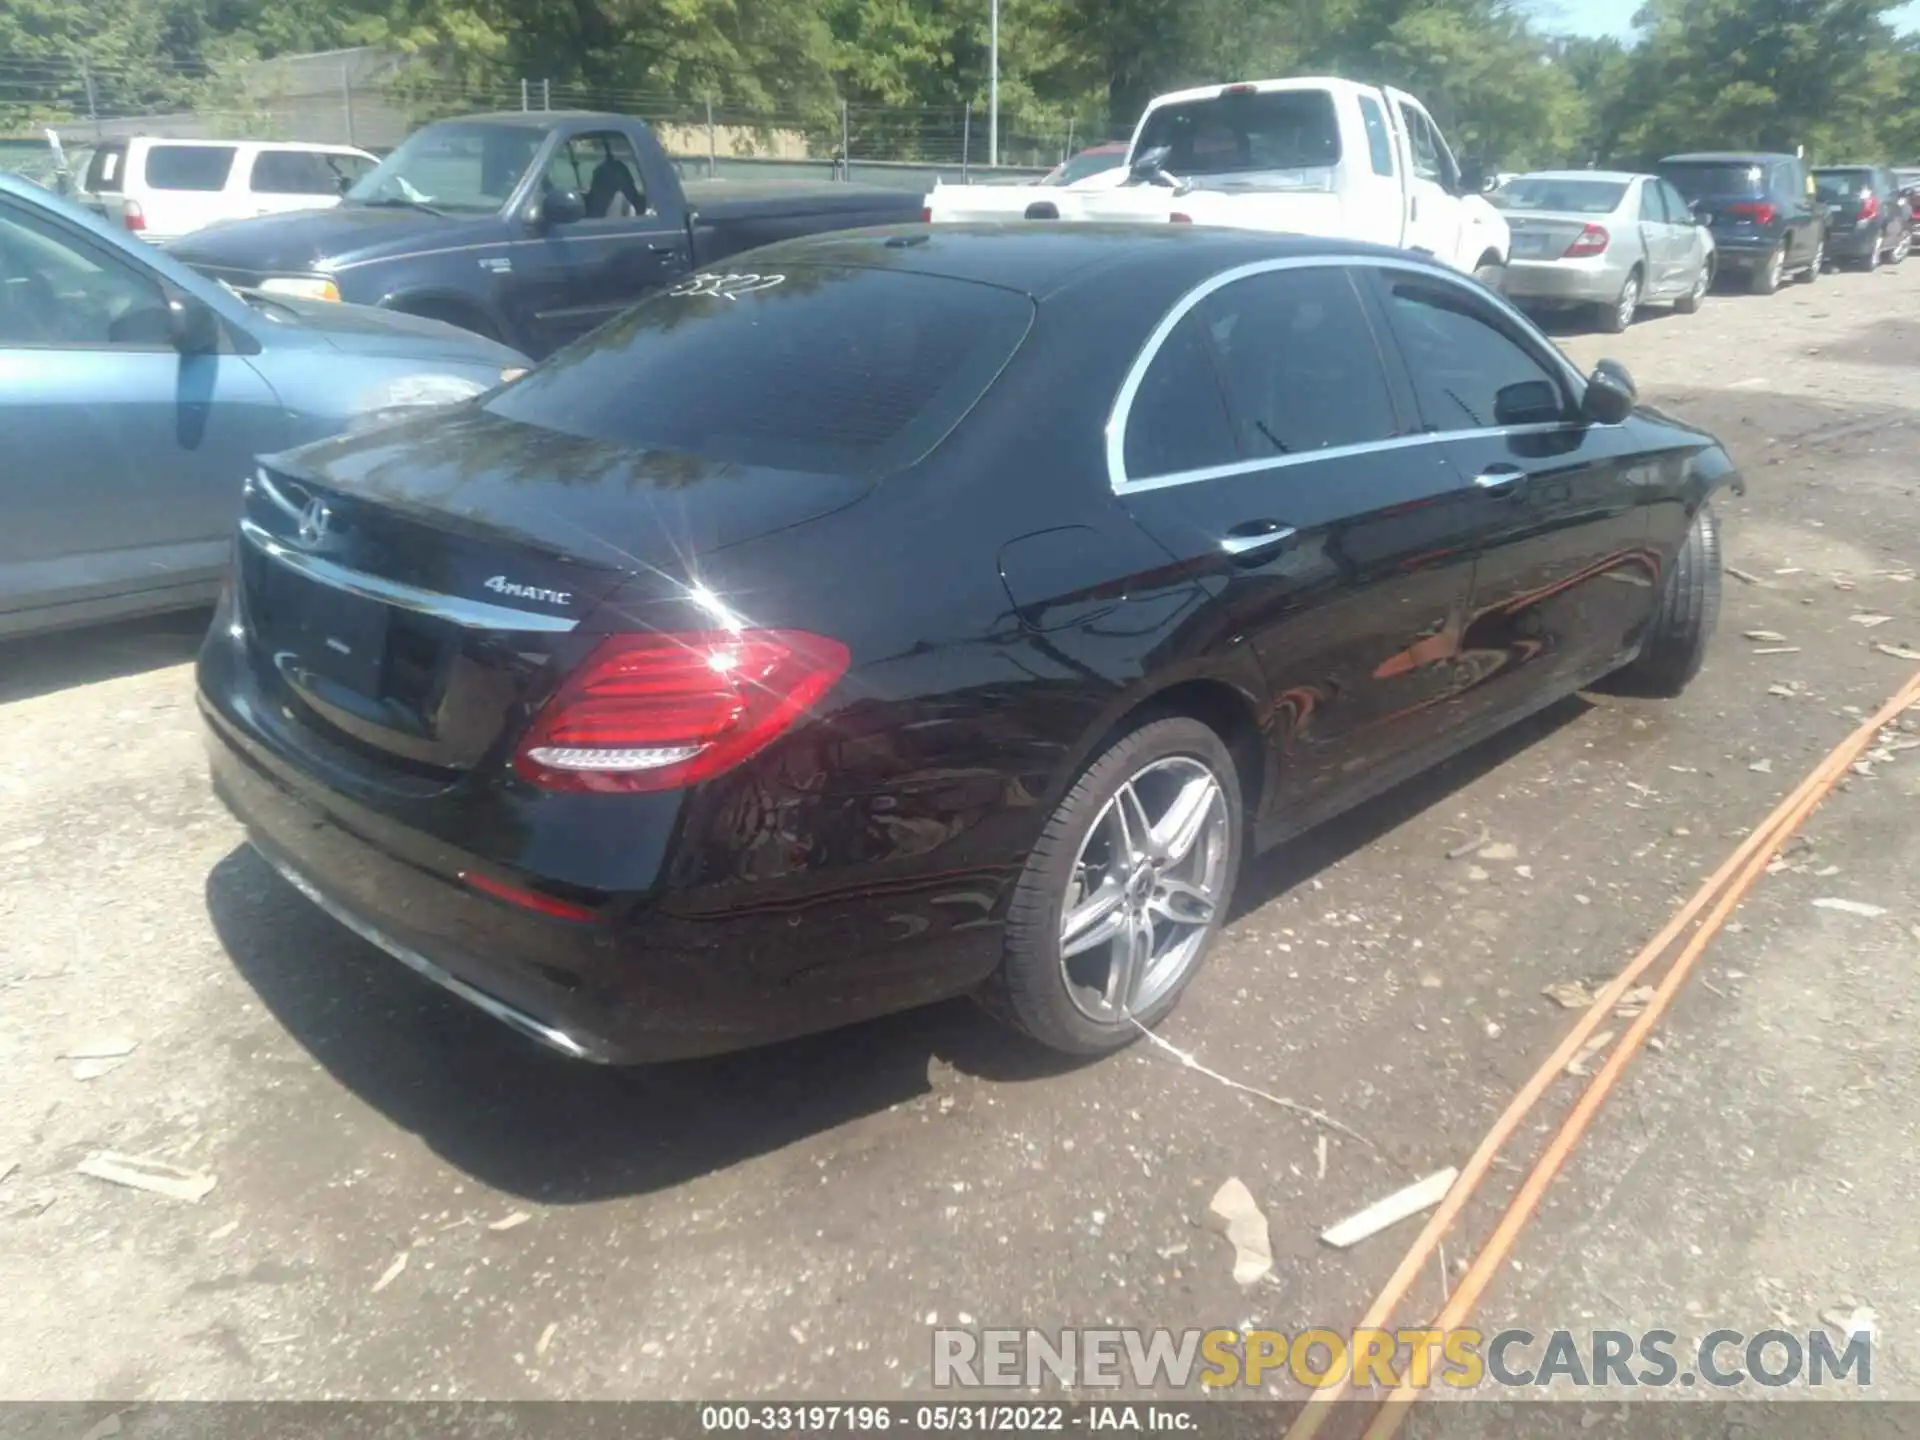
x,y
1608,240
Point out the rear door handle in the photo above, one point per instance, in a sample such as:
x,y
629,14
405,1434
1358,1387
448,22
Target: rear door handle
x,y
1500,479
1255,537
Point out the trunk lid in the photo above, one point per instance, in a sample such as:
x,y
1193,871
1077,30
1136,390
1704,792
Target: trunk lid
x,y
409,595
1545,234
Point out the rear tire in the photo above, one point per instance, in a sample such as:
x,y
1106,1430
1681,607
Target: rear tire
x,y
1057,1000
1676,642
1766,276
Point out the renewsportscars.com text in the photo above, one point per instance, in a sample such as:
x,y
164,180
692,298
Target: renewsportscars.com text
x,y
1459,1359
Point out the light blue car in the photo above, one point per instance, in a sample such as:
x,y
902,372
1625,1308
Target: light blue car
x,y
135,394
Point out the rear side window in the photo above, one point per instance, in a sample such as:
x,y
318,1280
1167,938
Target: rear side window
x,y
1179,417
105,175
1300,364
1379,143
828,369
295,172
189,167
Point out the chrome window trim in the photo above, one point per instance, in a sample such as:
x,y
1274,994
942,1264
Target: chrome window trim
x,y
474,614
1122,411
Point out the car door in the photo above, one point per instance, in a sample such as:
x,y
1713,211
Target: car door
x,y
123,458
1267,446
1692,240
1800,207
1656,241
1433,207
602,263
1565,579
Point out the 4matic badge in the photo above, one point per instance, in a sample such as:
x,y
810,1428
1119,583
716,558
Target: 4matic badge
x,y
500,585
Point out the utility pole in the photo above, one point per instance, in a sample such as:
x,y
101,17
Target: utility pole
x,y
93,110
993,82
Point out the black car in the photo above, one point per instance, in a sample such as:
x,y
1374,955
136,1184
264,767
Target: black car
x,y
1766,221
921,612
1868,218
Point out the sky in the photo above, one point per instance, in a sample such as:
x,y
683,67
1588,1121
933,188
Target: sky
x,y
1615,17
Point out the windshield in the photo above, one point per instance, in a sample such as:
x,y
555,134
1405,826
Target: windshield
x,y
846,371
461,165
1087,162
1244,131
1733,181
1580,197
1835,186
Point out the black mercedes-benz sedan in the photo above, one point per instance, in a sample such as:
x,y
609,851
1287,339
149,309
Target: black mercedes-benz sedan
x,y
903,614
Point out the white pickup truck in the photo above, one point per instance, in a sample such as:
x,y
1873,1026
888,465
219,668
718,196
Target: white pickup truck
x,y
1316,156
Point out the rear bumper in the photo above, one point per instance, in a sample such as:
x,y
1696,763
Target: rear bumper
x,y
1745,251
1572,282
661,972
1855,244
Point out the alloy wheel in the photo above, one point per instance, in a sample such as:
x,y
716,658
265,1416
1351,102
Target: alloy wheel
x,y
1629,303
1145,889
1776,267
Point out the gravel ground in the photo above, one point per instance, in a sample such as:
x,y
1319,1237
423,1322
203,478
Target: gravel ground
x,y
788,1222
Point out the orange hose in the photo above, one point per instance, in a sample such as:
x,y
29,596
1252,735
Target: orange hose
x,y
1762,842
1779,825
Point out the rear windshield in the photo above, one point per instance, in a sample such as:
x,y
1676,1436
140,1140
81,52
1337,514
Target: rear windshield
x,y
1087,162
837,370
1836,185
189,167
104,174
1720,181
1243,131
1581,197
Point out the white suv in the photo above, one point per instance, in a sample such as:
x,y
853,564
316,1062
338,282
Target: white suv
x,y
161,189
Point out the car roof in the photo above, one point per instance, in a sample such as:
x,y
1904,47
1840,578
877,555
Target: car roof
x,y
1040,258
1612,177
539,119
1331,83
1727,157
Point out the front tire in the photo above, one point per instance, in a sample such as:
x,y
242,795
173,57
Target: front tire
x,y
1124,892
1676,642
1812,273
1616,318
1689,303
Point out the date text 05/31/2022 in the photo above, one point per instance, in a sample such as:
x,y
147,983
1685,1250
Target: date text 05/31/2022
x,y
943,1419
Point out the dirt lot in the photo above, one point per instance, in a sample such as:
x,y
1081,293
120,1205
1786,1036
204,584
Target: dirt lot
x,y
789,1222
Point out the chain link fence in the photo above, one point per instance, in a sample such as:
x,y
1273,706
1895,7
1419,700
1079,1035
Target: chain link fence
x,y
373,99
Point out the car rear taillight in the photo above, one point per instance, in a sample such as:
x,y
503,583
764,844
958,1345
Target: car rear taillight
x,y
663,711
1869,206
1179,217
926,214
132,216
1761,212
1591,241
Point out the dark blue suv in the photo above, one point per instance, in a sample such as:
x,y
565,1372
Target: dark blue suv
x,y
1766,221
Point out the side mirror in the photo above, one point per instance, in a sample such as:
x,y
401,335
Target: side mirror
x,y
1146,168
191,325
1611,394
1527,402
562,207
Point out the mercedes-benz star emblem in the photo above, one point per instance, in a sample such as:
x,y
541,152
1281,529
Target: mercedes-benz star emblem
x,y
314,519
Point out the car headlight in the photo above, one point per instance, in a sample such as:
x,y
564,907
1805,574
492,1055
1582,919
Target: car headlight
x,y
300,287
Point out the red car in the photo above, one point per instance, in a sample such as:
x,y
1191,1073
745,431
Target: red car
x,y
1090,161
